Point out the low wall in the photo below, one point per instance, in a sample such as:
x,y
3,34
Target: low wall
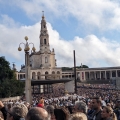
x,y
10,98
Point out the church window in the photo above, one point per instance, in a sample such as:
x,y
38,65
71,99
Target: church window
x,y
38,75
46,60
53,72
46,73
45,41
44,26
58,72
33,75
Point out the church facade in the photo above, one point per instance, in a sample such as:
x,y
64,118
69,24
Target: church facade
x,y
43,64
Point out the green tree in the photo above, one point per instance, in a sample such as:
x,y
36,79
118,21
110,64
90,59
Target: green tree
x,y
84,66
66,68
9,86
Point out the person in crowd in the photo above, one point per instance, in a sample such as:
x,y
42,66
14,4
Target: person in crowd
x,y
109,105
17,112
70,109
27,105
78,116
80,106
9,106
37,113
117,108
89,110
1,116
108,114
3,110
41,103
61,114
50,110
97,107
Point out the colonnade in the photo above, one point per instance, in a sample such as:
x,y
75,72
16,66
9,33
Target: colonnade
x,y
99,75
85,74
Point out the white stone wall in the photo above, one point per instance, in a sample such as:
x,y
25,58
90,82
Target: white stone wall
x,y
35,60
52,60
42,72
10,98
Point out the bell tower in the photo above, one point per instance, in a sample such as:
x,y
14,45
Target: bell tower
x,y
44,37
44,58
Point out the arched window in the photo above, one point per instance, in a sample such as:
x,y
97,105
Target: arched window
x,y
33,75
44,26
38,75
53,72
45,41
46,60
58,72
46,73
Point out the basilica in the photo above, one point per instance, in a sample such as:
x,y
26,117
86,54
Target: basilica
x,y
43,65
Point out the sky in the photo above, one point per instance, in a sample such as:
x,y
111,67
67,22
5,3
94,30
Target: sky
x,y
90,27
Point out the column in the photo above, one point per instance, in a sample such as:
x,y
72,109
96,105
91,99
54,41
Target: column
x,y
95,75
84,76
22,76
89,76
100,75
110,74
27,81
36,76
18,77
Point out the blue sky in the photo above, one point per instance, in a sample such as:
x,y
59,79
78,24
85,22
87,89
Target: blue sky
x,y
90,27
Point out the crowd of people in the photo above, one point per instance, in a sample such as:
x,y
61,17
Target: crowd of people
x,y
91,102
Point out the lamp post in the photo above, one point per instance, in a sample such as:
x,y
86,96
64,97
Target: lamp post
x,y
27,69
75,72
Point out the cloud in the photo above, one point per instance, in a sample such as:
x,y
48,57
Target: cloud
x,y
100,14
12,35
7,21
90,50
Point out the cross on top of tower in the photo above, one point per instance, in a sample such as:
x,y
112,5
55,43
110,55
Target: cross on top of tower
x,y
43,14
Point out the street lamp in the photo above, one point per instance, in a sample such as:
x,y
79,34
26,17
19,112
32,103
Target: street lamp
x,y
27,69
75,72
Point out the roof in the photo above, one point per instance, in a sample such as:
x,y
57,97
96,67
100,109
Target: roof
x,y
42,82
101,68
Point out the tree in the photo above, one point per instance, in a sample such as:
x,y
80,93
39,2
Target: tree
x,y
84,66
66,68
5,70
9,86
